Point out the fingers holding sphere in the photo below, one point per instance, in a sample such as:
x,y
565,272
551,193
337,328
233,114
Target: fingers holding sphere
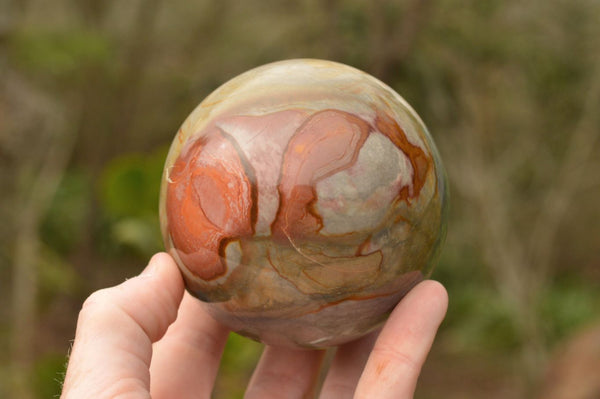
x,y
186,361
394,365
103,363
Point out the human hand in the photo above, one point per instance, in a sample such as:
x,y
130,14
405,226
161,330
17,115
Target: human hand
x,y
146,336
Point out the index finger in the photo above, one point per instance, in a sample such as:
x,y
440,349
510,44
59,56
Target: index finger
x,y
400,351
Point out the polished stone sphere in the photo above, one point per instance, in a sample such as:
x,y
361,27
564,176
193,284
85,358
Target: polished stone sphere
x,y
302,200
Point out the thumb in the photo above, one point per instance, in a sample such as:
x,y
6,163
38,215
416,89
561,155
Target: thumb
x,y
115,331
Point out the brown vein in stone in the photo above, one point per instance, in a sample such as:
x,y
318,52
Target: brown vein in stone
x,y
418,159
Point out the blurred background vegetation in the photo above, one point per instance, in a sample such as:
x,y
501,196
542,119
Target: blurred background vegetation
x,y
92,92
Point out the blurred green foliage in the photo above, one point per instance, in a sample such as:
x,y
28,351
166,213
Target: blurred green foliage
x,y
48,375
124,80
56,276
58,53
238,361
129,192
130,184
569,304
477,319
64,222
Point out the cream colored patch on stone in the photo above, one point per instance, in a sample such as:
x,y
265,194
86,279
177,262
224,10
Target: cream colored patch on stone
x,y
358,198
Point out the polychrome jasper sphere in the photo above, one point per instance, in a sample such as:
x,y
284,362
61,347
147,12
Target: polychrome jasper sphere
x,y
302,200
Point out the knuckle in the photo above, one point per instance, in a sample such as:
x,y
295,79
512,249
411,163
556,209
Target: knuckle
x,y
97,303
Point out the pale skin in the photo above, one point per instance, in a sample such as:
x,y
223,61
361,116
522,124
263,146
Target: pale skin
x,y
147,338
